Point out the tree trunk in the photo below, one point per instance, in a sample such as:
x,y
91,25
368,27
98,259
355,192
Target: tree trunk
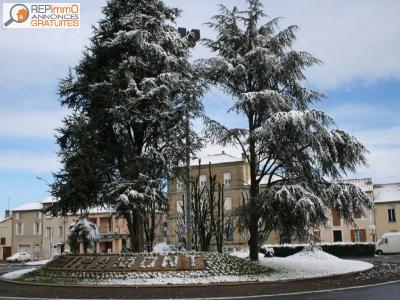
x,y
253,226
135,226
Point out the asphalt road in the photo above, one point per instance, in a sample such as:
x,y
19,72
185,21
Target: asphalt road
x,y
6,268
294,290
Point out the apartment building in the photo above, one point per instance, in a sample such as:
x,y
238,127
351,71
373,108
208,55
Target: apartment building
x,y
230,170
234,172
54,232
6,236
114,234
27,224
387,207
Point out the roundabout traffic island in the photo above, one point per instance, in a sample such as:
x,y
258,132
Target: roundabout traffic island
x,y
178,268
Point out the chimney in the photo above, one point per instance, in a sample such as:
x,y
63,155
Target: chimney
x,y
7,213
223,152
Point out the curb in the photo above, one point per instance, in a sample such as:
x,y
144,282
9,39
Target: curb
x,y
159,286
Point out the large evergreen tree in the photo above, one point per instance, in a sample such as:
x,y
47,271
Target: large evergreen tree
x,y
130,96
296,151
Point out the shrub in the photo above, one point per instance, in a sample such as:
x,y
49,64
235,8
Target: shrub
x,y
337,249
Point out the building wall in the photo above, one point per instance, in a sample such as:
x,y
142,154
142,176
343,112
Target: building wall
x,y
239,175
383,225
5,237
54,245
27,239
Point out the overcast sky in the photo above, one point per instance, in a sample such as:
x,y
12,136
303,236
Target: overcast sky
x,y
358,41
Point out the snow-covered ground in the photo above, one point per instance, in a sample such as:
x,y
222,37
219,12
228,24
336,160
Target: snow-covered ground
x,y
305,264
308,264
38,262
17,274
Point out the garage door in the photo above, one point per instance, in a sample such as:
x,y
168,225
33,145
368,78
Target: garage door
x,y
25,249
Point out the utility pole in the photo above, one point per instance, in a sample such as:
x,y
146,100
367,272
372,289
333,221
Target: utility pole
x,y
194,34
51,221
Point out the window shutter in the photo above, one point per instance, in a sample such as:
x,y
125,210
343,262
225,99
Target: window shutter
x,y
363,235
352,235
336,218
22,228
40,228
34,229
16,229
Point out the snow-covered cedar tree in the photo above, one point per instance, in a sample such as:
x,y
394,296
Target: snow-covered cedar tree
x,y
295,150
82,230
130,95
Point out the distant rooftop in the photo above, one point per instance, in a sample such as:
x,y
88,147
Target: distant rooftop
x,y
365,184
49,200
388,192
29,206
220,158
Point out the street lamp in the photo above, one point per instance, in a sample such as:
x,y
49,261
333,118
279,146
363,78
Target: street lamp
x,y
194,36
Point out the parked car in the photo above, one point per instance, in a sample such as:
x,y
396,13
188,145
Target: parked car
x,y
19,257
389,243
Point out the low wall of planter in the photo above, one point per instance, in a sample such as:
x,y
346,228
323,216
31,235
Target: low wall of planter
x,y
128,263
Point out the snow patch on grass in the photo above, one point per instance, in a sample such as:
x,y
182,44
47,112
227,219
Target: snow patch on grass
x,y
18,274
312,263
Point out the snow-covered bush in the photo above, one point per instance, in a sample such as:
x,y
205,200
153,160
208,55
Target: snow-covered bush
x,y
85,231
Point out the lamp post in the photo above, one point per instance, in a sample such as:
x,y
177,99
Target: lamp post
x,y
51,220
194,35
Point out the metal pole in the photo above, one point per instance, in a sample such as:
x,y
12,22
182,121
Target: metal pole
x,y
188,202
195,36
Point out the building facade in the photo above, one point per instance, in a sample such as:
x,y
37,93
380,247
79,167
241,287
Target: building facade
x,y
27,224
234,173
6,236
387,207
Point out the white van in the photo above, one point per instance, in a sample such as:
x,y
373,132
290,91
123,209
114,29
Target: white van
x,y
388,243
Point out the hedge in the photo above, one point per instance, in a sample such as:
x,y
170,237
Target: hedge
x,y
337,249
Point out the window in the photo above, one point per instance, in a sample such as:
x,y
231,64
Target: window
x,y
358,236
165,230
317,235
357,215
17,216
49,232
60,231
227,180
229,232
203,181
228,204
337,236
37,228
179,206
3,241
110,225
336,218
179,185
391,214
39,215
19,229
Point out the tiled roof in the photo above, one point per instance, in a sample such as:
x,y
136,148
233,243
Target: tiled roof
x,y
365,184
29,206
216,159
388,192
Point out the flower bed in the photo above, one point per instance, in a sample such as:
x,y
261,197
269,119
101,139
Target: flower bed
x,y
145,268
